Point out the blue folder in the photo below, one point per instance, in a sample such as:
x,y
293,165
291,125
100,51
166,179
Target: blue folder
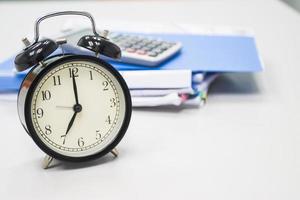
x,y
204,53
200,53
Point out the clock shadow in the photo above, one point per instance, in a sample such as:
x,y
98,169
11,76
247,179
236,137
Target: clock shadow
x,y
63,165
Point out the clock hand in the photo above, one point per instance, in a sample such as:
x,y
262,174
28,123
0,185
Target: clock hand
x,y
75,89
77,108
66,107
71,123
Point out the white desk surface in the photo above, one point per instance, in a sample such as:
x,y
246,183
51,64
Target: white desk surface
x,y
245,144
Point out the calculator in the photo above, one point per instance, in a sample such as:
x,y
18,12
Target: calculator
x,y
137,49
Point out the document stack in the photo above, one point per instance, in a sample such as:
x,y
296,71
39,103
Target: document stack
x,y
167,87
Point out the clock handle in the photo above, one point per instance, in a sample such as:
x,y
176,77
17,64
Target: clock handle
x,y
55,14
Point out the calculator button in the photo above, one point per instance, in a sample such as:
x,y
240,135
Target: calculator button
x,y
120,45
145,40
133,48
146,48
155,42
142,44
136,41
158,51
141,52
145,43
169,44
130,50
151,46
136,46
163,48
127,45
152,54
126,40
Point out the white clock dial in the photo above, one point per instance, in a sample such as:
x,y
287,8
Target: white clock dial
x,y
94,125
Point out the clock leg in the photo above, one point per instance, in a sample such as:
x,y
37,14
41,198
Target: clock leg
x,y
47,161
115,152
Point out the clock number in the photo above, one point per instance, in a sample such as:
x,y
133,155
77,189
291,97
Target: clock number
x,y
113,102
48,130
56,80
64,138
108,120
73,72
105,85
91,75
98,135
39,112
46,95
80,142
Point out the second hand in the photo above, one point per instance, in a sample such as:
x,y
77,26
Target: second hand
x,y
66,107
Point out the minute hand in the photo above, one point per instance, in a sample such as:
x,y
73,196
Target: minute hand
x,y
75,89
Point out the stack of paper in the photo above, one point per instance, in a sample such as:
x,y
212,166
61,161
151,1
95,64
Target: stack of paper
x,y
167,87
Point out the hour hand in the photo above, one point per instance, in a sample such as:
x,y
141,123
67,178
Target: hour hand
x,y
77,108
69,127
71,123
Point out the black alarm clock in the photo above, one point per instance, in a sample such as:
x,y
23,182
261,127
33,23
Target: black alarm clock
x,y
75,107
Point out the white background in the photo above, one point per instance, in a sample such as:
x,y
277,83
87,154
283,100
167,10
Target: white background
x,y
243,145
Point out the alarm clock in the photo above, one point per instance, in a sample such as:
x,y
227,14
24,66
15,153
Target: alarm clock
x,y
75,107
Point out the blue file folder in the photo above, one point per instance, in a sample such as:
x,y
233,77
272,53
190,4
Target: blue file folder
x,y
200,53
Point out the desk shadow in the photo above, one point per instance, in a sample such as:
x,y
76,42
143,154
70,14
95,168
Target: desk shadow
x,y
62,165
235,83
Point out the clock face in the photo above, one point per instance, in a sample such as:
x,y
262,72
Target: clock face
x,y
78,108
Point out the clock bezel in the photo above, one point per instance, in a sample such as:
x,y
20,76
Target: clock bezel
x,y
40,73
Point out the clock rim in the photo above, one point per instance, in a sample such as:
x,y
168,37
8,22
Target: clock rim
x,y
46,69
